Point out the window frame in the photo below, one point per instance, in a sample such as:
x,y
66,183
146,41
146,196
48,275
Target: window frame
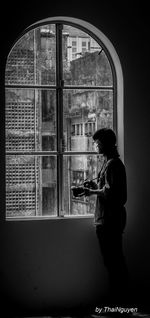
x,y
117,89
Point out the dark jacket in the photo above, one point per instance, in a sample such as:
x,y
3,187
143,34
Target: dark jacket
x,y
110,210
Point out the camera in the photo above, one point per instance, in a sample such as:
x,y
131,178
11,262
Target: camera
x,y
79,191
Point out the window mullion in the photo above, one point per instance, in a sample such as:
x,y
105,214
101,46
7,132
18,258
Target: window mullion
x,y
59,98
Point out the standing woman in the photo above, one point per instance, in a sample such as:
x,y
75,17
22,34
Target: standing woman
x,y
110,212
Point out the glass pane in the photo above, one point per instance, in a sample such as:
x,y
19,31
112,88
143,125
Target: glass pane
x,y
84,61
45,42
31,186
76,170
30,120
49,185
85,111
33,58
20,67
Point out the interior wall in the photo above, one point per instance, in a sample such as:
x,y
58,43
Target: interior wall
x,y
52,265
57,264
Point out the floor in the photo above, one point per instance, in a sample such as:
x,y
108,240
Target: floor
x,y
140,315
103,311
102,315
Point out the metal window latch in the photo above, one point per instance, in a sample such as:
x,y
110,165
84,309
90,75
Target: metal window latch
x,y
62,213
62,145
61,83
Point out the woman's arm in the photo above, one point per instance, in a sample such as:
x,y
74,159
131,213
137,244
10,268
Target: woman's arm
x,y
88,192
114,190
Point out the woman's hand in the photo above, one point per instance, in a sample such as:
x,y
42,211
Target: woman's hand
x,y
87,191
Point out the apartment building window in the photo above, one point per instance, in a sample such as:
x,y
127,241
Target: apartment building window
x,y
74,49
74,43
84,46
53,106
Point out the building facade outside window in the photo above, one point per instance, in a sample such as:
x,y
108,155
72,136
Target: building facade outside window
x,y
60,87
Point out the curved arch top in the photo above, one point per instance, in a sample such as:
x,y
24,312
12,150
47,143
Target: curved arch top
x,y
115,60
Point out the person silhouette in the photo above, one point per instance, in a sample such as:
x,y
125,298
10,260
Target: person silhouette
x,y
110,212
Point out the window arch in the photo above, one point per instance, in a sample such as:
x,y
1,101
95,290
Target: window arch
x,y
63,81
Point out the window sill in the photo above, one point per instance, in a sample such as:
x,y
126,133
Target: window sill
x,y
49,218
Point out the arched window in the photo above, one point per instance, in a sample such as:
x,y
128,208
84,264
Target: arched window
x,y
63,81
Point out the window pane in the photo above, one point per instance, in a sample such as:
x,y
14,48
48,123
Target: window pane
x,y
76,170
89,65
49,185
45,42
20,66
30,120
33,58
31,186
85,111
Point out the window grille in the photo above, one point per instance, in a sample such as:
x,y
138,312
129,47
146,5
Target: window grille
x,y
22,180
20,66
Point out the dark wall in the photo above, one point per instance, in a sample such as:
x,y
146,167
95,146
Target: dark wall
x,y
57,264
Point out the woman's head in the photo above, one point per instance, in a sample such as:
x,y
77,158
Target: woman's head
x,y
106,140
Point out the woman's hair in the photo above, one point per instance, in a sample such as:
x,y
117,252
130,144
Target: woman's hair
x,y
105,135
108,139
